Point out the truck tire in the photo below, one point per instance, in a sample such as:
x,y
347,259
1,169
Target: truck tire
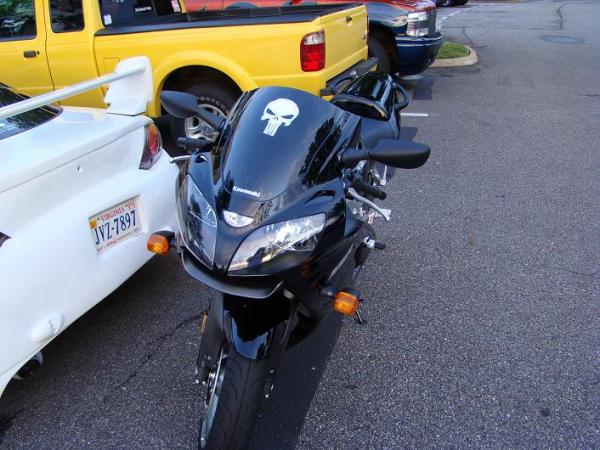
x,y
447,3
377,49
213,97
239,384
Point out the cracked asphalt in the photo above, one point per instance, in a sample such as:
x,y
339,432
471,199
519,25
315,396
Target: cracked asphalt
x,y
483,313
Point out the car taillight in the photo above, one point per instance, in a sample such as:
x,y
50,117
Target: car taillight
x,y
312,52
152,148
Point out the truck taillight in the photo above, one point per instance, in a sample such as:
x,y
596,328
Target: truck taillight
x,y
312,52
152,147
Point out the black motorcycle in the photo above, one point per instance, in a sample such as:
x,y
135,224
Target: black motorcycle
x,y
275,217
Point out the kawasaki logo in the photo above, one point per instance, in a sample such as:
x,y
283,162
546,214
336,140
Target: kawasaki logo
x,y
246,191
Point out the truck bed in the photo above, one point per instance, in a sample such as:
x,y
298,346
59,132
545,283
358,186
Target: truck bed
x,y
228,17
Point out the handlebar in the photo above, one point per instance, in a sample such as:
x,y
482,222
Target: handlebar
x,y
368,189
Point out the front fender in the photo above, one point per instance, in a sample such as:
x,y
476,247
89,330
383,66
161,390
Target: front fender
x,y
200,59
257,329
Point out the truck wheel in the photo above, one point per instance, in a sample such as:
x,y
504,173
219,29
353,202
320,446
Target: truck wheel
x,y
212,97
234,391
377,49
447,3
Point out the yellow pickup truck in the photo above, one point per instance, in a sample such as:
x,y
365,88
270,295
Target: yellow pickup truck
x,y
49,44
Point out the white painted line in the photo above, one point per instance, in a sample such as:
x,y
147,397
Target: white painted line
x,y
440,20
408,114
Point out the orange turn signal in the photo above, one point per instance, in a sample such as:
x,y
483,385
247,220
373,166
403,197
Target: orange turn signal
x,y
346,303
158,244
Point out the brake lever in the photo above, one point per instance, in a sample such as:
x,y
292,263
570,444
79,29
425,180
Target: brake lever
x,y
356,196
185,158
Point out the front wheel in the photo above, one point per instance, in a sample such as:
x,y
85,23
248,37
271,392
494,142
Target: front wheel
x,y
234,391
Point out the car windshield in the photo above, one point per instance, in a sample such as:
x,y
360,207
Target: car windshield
x,y
128,12
25,121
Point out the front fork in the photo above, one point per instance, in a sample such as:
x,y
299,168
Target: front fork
x,y
255,328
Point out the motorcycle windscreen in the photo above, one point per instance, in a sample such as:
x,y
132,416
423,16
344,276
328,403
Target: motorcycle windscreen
x,y
276,140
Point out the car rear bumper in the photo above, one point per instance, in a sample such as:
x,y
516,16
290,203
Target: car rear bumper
x,y
415,54
57,251
335,84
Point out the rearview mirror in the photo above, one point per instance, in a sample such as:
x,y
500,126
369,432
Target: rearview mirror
x,y
179,104
184,105
400,154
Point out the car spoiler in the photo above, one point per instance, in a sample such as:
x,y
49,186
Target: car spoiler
x,y
129,92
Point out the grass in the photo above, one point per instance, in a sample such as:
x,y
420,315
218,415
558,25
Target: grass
x,y
452,50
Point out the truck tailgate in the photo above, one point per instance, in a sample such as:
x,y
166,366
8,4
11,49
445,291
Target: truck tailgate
x,y
345,39
252,47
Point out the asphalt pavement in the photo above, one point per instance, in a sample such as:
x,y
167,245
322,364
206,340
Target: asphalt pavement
x,y
483,313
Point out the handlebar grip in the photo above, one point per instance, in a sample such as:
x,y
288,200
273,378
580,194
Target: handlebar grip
x,y
191,143
182,142
368,189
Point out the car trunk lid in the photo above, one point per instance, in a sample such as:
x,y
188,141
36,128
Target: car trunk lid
x,y
68,136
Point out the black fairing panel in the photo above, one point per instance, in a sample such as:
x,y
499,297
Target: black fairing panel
x,y
294,173
280,139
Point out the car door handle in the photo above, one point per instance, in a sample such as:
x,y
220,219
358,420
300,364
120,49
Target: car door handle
x,y
30,53
348,19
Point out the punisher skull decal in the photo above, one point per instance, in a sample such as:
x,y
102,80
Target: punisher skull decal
x,y
279,112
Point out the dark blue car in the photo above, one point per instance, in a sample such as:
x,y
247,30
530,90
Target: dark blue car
x,y
403,35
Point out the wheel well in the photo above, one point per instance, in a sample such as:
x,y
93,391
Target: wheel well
x,y
386,37
183,77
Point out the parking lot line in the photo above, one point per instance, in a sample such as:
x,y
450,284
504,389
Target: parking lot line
x,y
409,114
440,20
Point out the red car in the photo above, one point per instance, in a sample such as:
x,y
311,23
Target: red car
x,y
402,33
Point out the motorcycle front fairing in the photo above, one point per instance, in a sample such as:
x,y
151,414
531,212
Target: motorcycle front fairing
x,y
274,163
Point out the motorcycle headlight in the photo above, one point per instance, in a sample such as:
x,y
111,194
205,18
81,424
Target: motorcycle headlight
x,y
270,241
197,221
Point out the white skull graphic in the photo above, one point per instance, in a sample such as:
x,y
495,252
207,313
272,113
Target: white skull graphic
x,y
279,112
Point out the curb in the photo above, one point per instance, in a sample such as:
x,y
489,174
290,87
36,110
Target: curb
x,y
468,60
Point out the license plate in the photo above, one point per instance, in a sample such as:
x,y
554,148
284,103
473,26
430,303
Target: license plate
x,y
115,224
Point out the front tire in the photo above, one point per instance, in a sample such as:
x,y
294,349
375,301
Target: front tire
x,y
238,386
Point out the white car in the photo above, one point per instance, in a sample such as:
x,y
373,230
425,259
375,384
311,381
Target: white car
x,y
80,190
